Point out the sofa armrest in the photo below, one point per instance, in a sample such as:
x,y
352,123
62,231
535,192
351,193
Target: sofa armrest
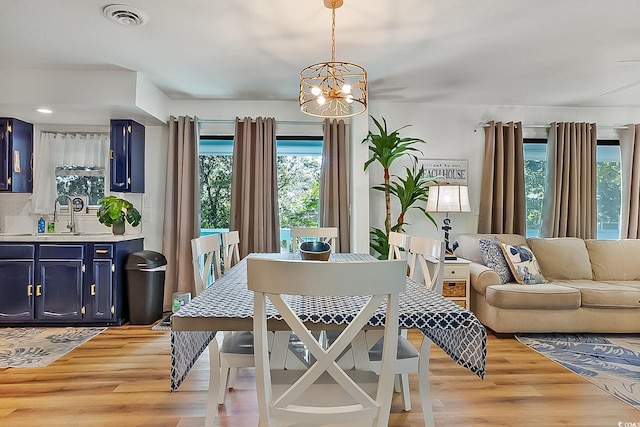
x,y
482,276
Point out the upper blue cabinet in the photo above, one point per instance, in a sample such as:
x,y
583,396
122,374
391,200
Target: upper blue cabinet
x,y
16,153
127,156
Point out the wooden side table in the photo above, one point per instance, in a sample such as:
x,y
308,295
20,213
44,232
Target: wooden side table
x,y
455,285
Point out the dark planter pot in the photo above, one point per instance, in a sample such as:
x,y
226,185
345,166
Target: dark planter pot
x,y
118,229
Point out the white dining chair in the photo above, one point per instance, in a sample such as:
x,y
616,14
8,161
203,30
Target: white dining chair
x,y
322,234
205,256
425,257
325,393
398,242
230,252
426,260
235,348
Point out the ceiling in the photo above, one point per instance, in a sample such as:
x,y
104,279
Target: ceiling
x,y
555,53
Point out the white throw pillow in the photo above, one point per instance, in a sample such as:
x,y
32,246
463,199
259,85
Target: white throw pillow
x,y
523,264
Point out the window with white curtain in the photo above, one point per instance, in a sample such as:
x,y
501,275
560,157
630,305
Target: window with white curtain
x,y
69,165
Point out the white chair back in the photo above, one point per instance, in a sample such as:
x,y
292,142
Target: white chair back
x,y
299,400
427,255
205,253
396,242
230,253
323,234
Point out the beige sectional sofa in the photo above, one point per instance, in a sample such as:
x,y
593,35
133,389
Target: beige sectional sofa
x,y
590,286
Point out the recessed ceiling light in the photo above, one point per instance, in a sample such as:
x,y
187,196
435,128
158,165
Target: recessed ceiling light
x,y
44,110
124,15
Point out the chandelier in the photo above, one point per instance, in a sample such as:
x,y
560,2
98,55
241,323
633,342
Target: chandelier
x,y
333,89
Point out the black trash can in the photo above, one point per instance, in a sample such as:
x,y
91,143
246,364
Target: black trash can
x,y
145,286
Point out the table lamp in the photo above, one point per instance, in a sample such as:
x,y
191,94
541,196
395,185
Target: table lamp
x,y
448,198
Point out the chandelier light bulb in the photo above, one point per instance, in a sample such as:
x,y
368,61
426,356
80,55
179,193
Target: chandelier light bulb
x,y
349,99
346,88
321,100
315,91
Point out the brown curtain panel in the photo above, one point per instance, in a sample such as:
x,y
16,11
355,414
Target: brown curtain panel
x,y
569,206
502,202
334,182
630,174
181,207
254,188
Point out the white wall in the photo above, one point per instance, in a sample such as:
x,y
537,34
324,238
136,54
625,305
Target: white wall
x,y
455,132
450,132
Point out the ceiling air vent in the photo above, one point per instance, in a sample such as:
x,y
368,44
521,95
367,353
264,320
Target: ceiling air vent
x,y
123,14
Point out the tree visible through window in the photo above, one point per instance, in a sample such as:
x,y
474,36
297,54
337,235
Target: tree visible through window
x,y
608,186
298,164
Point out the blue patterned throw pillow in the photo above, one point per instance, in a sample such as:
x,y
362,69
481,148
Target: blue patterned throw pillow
x,y
523,264
494,259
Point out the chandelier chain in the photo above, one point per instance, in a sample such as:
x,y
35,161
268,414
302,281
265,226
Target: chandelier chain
x,y
333,31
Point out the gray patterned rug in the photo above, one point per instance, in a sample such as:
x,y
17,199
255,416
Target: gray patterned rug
x,y
612,362
38,347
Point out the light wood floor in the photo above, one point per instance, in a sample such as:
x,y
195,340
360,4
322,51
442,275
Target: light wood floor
x,y
121,378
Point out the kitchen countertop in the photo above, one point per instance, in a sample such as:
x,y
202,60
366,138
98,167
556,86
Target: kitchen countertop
x,y
67,237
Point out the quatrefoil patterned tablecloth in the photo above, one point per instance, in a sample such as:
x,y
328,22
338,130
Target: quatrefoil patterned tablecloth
x,y
454,329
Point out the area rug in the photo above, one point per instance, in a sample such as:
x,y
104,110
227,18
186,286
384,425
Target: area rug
x,y
38,347
163,325
612,362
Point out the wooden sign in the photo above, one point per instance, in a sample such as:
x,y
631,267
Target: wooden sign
x,y
446,171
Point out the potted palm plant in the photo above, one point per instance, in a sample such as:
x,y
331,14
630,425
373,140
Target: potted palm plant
x,y
114,211
386,147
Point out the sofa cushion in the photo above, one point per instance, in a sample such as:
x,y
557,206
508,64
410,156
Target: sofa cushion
x,y
562,258
546,296
604,294
523,264
469,247
494,259
614,259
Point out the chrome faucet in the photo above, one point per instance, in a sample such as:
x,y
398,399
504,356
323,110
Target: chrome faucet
x,y
55,211
72,219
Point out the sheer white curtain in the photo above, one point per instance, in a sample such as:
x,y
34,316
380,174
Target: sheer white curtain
x,y
63,149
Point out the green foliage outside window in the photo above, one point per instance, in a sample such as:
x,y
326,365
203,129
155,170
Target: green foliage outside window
x,y
608,194
298,190
79,181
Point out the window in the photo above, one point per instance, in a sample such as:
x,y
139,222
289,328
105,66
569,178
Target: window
x,y
69,165
80,181
608,186
298,162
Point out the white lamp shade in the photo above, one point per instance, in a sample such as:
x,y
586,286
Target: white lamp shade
x,y
448,198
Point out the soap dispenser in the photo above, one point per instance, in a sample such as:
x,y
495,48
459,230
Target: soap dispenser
x,y
41,225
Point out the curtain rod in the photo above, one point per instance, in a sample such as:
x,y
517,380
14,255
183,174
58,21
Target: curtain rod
x,y
284,122
485,125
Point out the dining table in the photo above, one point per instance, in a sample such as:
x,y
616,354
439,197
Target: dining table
x,y
227,305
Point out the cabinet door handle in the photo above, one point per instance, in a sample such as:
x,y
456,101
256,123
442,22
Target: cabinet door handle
x,y
111,154
38,290
101,251
93,289
29,290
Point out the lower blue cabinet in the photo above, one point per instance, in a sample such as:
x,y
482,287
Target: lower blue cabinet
x,y
64,283
17,288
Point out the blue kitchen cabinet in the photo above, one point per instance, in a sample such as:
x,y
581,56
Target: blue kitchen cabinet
x,y
59,295
127,156
16,152
80,283
107,291
17,267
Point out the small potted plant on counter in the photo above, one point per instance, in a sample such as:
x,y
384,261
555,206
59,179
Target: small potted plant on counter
x,y
113,212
